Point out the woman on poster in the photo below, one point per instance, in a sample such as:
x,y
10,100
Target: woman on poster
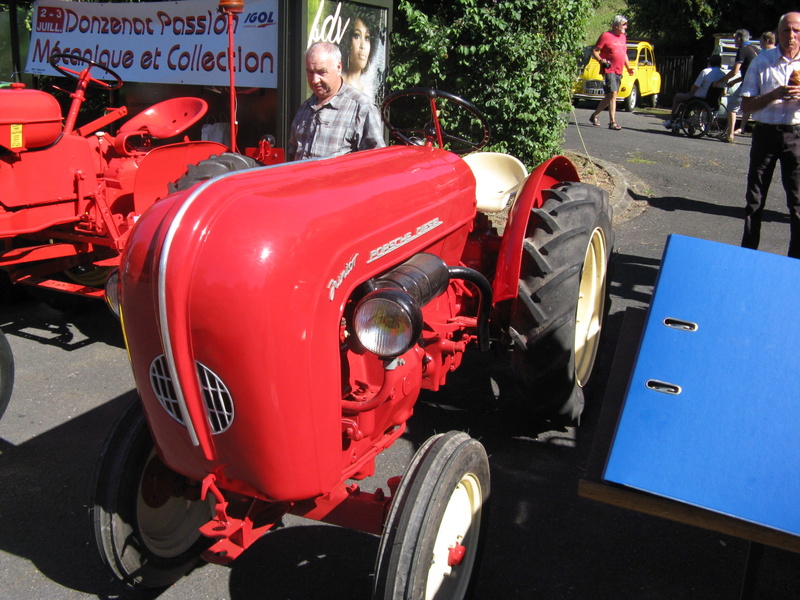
x,y
363,58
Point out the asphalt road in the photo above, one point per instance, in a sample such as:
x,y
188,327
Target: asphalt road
x,y
544,541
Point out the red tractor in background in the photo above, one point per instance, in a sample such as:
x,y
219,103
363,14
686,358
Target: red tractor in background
x,y
282,322
70,195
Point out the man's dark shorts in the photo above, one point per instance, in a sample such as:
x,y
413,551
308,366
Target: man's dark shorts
x,y
611,82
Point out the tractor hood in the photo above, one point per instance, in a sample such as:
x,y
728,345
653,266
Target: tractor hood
x,y
233,295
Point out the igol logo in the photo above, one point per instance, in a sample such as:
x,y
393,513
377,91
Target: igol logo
x,y
260,19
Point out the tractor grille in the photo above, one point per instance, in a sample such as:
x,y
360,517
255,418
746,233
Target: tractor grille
x,y
217,399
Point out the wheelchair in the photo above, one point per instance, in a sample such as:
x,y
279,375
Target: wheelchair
x,y
700,116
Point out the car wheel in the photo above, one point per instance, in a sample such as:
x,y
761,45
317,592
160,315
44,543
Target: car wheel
x,y
557,317
654,100
632,99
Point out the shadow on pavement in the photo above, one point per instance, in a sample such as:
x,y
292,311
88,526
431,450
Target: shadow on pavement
x,y
676,204
36,321
44,491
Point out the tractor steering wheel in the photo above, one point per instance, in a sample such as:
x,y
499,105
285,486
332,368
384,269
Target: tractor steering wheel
x,y
53,60
432,132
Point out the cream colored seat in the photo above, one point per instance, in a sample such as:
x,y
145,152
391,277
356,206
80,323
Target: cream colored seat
x,y
497,177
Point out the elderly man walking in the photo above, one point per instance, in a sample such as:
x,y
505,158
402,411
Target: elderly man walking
x,y
611,51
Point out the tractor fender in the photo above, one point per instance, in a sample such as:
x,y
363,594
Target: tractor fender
x,y
509,260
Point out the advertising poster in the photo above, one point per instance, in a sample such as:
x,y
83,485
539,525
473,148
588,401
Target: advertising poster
x,y
159,42
360,31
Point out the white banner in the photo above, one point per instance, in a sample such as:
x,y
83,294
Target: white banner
x,y
159,42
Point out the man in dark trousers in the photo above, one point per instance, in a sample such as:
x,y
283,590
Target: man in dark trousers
x,y
771,93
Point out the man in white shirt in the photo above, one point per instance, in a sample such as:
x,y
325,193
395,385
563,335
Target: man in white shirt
x,y
774,102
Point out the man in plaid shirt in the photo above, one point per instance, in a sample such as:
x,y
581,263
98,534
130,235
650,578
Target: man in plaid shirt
x,y
337,118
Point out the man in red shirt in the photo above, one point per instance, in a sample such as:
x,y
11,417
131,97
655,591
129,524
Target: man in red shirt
x,y
611,51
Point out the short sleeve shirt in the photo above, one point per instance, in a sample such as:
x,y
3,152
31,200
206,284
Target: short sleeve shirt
x,y
745,55
707,76
348,122
771,70
613,48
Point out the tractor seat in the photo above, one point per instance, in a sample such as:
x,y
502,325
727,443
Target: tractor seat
x,y
168,118
497,176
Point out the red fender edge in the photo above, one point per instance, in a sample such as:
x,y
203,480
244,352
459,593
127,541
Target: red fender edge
x,y
545,176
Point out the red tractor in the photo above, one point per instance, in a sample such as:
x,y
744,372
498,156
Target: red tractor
x,y
70,195
282,321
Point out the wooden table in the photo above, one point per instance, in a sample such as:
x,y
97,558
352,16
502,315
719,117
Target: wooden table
x,y
701,419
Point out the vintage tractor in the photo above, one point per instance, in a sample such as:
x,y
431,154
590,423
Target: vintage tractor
x,y
70,195
282,322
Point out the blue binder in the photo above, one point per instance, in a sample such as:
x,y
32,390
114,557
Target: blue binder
x,y
711,416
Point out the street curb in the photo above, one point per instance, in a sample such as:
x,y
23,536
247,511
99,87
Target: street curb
x,y
626,185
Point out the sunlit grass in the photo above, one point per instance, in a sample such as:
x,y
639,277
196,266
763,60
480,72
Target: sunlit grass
x,y
600,19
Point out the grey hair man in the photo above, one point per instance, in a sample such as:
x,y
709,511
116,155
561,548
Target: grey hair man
x,y
611,52
337,118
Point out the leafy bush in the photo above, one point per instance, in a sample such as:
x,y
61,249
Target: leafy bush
x,y
516,60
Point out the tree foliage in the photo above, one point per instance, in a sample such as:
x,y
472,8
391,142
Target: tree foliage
x,y
685,21
516,60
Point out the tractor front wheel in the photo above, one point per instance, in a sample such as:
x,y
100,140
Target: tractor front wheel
x,y
558,314
146,517
434,532
6,373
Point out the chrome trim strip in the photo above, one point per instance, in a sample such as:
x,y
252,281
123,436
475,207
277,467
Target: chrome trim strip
x,y
162,295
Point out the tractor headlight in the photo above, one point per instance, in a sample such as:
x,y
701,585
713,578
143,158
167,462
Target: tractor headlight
x,y
387,322
113,292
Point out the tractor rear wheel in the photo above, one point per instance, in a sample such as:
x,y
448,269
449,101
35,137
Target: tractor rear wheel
x,y
558,314
434,532
219,164
6,373
146,533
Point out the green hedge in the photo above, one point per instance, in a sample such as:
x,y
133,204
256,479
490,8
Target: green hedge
x,y
516,60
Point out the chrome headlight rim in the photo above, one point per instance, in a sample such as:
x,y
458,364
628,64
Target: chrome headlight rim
x,y
392,305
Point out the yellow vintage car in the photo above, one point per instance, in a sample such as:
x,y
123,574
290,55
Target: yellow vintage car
x,y
645,81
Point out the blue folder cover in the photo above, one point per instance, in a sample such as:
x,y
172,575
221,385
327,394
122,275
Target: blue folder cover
x,y
711,417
